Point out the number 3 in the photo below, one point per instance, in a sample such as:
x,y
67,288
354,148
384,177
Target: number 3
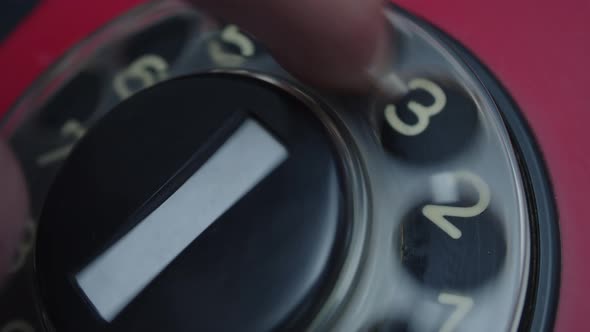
x,y
438,213
422,112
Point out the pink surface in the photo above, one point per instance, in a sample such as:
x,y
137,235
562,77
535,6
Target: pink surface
x,y
539,49
52,28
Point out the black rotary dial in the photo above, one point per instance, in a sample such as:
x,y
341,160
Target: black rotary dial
x,y
181,180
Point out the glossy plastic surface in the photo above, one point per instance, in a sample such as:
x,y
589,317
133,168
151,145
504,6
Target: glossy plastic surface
x,y
536,48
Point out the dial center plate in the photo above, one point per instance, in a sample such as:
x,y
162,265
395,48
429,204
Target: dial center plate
x,y
191,221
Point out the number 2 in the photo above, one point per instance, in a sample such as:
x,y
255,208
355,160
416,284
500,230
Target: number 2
x,y
422,112
438,213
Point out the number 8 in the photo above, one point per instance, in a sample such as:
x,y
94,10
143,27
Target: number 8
x,y
423,113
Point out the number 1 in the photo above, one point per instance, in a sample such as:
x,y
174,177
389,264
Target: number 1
x,y
463,304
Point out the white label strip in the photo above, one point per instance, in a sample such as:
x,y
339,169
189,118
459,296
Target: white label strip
x,y
121,272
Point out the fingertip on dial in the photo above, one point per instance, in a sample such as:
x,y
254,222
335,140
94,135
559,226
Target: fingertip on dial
x,y
330,43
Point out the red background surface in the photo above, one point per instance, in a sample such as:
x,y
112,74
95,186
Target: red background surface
x,y
539,49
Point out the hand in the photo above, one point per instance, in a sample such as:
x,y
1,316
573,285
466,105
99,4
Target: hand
x,y
331,43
